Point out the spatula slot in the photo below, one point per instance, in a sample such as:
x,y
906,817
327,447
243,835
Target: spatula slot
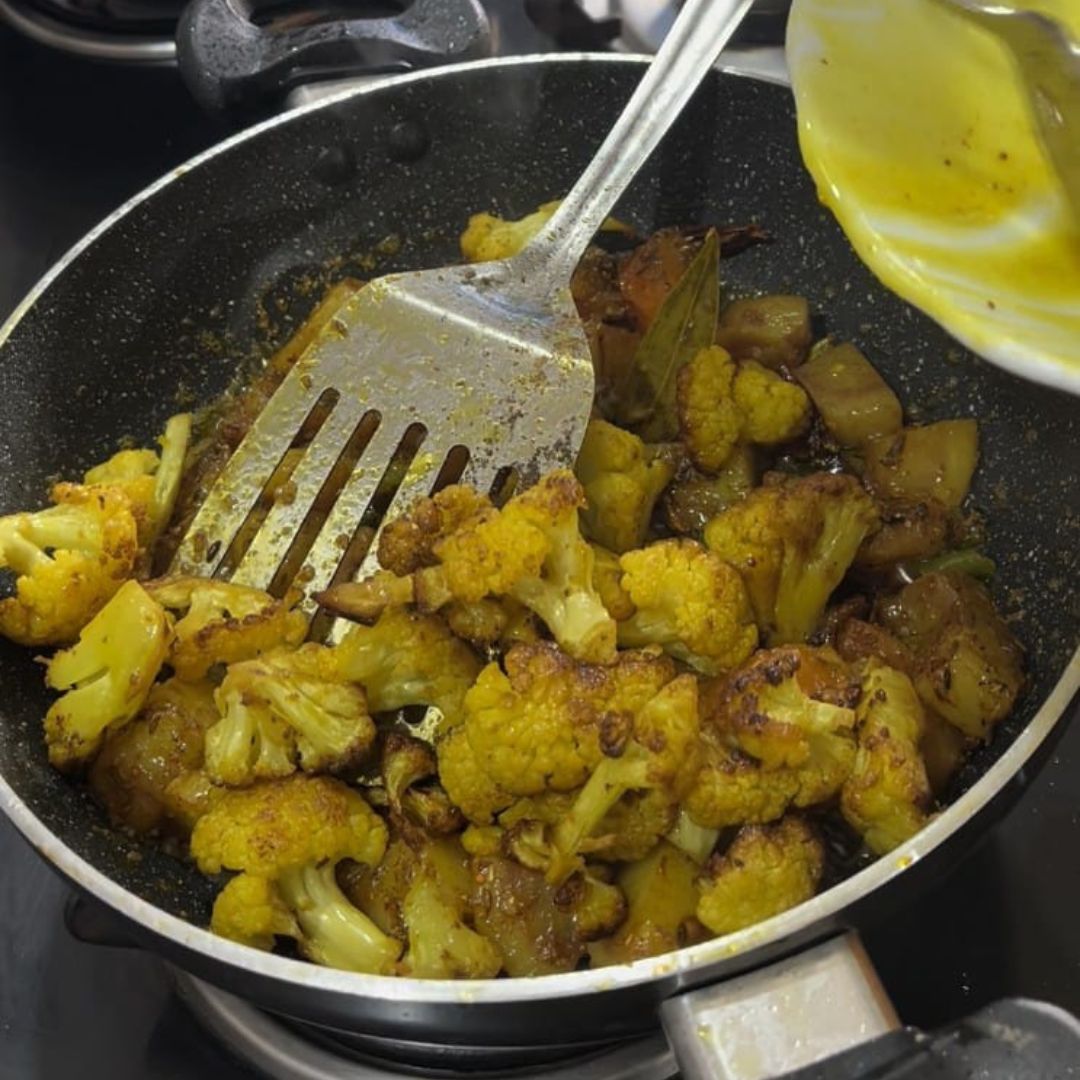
x,y
277,487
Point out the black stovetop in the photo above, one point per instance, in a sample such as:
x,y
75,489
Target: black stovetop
x,y
75,140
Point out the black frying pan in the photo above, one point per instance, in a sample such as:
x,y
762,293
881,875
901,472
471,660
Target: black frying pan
x,y
212,267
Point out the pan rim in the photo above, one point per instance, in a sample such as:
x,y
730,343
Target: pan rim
x,y
403,990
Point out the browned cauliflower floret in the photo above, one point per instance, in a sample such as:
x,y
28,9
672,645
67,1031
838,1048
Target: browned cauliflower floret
x,y
767,869
221,623
780,732
69,561
415,801
531,551
291,834
407,658
722,403
285,709
106,674
887,796
470,788
689,602
607,578
407,542
793,540
622,480
655,761
151,483
547,722
135,769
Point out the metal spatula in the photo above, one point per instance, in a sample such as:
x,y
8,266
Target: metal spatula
x,y
418,374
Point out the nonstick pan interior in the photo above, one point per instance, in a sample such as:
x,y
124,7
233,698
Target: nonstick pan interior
x,y
217,266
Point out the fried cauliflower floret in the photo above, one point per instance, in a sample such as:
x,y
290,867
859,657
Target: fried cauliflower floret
x,y
721,403
407,658
68,560
221,623
709,419
488,238
106,674
151,483
435,912
622,481
887,795
656,760
661,914
607,579
470,788
793,540
773,410
780,733
407,543
291,834
531,551
544,724
282,710
408,769
767,869
136,768
690,602
967,666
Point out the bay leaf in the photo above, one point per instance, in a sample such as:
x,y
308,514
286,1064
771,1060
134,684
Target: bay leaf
x,y
685,324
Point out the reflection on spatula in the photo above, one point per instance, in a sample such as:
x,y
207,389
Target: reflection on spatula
x,y
421,379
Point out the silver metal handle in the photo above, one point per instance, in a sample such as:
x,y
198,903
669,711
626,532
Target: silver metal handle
x,y
770,1022
690,49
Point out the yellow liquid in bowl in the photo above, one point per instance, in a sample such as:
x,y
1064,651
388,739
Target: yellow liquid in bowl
x,y
916,127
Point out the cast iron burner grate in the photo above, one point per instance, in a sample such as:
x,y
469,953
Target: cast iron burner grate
x,y
281,1050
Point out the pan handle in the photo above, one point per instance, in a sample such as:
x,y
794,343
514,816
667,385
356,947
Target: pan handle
x,y
770,1022
823,1015
231,61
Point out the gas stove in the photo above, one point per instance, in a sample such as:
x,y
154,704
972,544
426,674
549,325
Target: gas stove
x,y
78,137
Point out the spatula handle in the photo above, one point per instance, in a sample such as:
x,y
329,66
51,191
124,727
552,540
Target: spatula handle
x,y
688,52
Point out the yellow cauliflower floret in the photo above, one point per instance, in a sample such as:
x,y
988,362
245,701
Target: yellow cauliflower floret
x,y
767,869
70,559
531,551
288,836
407,658
250,910
721,404
283,824
651,767
470,789
773,410
733,789
221,623
779,733
793,541
284,708
689,602
407,543
488,237
544,724
150,483
107,674
709,419
622,481
887,795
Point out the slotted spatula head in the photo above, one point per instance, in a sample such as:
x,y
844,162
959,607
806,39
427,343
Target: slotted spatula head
x,y
460,357
424,378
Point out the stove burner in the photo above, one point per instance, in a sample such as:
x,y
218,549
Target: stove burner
x,y
283,1051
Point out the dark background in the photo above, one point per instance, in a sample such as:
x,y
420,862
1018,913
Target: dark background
x,y
76,139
